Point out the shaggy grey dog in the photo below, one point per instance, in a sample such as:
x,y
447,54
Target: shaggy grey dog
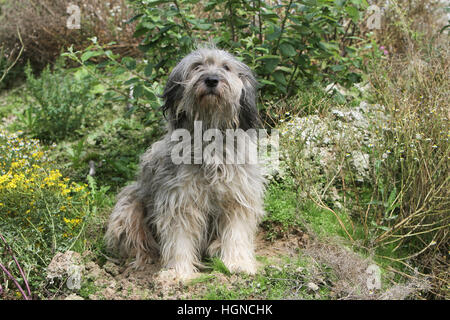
x,y
183,211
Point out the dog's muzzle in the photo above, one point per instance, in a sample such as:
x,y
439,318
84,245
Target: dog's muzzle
x,y
212,81
210,85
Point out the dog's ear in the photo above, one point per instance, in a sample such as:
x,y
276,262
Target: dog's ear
x,y
248,113
172,95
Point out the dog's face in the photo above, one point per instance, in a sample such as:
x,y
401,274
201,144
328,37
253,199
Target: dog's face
x,y
212,86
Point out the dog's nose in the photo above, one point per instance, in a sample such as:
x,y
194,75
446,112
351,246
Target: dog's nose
x,y
212,81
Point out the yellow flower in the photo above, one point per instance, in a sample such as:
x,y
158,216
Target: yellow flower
x,y
37,155
72,222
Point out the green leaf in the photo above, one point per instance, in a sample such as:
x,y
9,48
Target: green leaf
x,y
264,81
98,89
339,3
90,54
392,197
140,32
134,18
268,57
337,68
353,13
279,77
118,71
138,91
329,46
129,63
148,70
285,69
270,65
287,50
131,81
149,94
274,35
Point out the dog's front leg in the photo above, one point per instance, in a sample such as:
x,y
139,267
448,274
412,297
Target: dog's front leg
x,y
180,243
237,229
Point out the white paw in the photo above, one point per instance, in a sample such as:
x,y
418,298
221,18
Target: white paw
x,y
171,275
248,266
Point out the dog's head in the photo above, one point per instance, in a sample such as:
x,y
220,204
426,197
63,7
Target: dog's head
x,y
212,86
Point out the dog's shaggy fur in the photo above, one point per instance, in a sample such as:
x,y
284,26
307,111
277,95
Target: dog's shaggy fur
x,y
183,211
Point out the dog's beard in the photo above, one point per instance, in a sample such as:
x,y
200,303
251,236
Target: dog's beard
x,y
216,107
209,97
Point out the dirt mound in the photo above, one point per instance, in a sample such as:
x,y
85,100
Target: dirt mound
x,y
115,282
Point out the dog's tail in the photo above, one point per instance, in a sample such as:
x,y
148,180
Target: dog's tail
x,y
127,231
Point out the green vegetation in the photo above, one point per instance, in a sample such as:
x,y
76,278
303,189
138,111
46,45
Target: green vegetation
x,y
62,103
42,212
363,121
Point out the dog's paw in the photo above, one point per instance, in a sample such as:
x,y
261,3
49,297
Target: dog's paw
x,y
171,275
141,263
248,267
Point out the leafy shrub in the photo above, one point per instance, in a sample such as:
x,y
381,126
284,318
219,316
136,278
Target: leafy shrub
x,y
125,79
41,212
114,148
62,103
286,42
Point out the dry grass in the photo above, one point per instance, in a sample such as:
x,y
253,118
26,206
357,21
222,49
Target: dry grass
x,y
405,21
412,177
352,273
42,25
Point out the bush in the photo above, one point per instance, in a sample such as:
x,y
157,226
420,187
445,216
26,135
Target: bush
x,y
114,148
62,103
286,42
125,79
41,212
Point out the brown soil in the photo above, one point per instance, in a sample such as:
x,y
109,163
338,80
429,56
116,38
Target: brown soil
x,y
114,282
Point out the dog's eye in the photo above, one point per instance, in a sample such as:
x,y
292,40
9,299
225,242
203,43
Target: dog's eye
x,y
226,67
196,66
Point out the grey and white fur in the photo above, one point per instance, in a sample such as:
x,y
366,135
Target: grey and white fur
x,y
185,211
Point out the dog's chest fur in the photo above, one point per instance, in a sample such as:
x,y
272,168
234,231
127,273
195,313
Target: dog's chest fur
x,y
208,186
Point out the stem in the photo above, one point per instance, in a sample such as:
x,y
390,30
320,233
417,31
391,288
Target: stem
x,y
233,35
289,86
20,270
260,22
283,24
17,58
183,20
320,203
14,280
